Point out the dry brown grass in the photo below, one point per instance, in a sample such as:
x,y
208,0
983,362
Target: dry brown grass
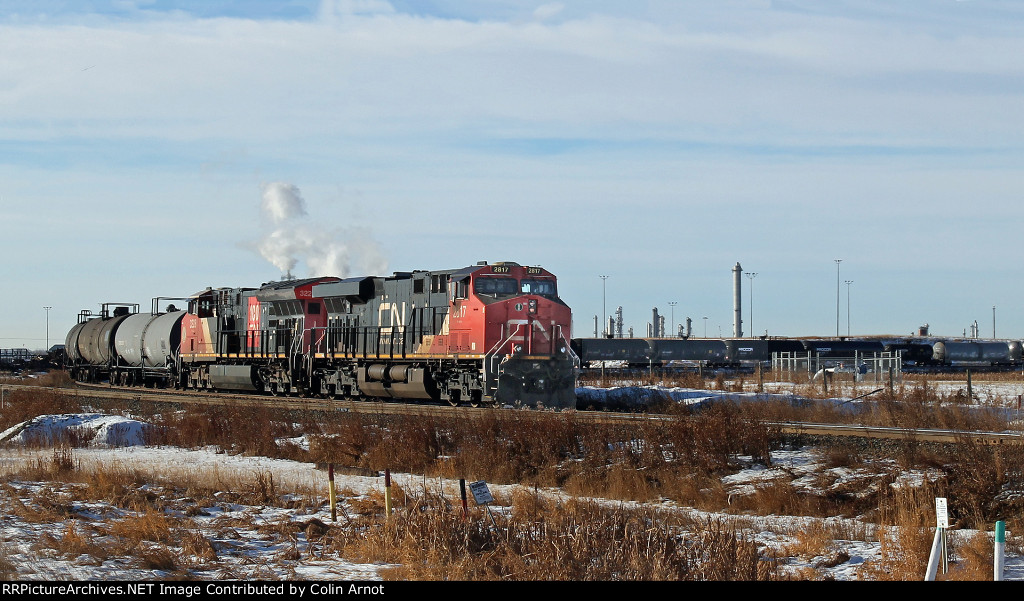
x,y
814,539
73,543
158,557
574,540
146,526
682,458
974,557
906,530
196,548
55,378
8,567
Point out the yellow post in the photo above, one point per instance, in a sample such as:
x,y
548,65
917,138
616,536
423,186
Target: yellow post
x,y
330,492
387,492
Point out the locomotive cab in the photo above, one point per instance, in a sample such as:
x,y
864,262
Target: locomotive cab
x,y
523,329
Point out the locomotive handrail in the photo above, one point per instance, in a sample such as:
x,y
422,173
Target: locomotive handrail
x,y
295,348
491,357
498,345
568,348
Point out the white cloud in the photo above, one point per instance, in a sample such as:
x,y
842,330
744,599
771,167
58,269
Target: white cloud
x,y
391,74
548,11
332,9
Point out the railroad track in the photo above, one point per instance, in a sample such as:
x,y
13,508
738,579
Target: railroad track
x,y
917,434
397,408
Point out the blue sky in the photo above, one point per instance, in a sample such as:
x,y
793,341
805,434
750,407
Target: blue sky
x,y
658,143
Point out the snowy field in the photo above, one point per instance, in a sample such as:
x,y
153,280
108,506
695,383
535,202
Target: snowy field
x,y
244,552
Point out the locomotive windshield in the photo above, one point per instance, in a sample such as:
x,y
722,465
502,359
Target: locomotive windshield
x,y
540,287
496,286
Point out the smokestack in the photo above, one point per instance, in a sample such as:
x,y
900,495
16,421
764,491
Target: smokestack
x,y
737,302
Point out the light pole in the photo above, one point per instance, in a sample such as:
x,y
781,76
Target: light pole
x,y
993,322
673,304
848,282
47,309
604,303
750,276
705,326
838,261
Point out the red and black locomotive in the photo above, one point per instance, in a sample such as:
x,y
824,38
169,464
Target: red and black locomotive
x,y
486,334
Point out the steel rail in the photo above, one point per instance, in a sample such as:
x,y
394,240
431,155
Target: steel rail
x,y
401,408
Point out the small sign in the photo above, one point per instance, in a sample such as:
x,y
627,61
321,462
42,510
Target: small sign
x,y
481,494
941,514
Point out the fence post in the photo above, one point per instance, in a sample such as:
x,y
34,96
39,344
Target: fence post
x,y
330,492
462,492
1000,547
936,554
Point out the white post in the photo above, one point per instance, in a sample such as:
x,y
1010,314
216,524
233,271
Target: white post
x,y
1000,546
933,558
939,544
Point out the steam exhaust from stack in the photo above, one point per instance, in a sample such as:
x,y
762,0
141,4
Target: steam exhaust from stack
x,y
326,251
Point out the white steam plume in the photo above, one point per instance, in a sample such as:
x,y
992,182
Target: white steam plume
x,y
326,251
282,202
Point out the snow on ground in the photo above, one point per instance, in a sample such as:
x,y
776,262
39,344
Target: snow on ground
x,y
236,530
118,441
99,429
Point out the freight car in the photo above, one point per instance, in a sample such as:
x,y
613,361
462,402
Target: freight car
x,y
89,346
633,352
662,352
753,350
913,354
737,352
710,352
976,353
485,334
834,348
